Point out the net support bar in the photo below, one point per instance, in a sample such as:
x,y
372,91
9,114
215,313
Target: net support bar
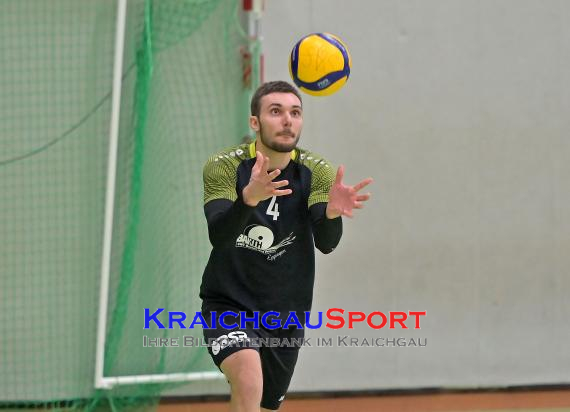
x,y
110,194
110,382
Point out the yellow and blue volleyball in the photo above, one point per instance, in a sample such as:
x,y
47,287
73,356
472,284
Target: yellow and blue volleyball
x,y
320,64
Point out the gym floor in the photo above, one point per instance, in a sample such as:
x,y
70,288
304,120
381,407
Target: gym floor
x,y
533,400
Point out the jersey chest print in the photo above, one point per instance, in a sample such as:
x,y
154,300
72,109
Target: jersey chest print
x,y
261,238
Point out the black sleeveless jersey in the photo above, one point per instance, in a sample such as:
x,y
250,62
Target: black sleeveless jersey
x,y
263,257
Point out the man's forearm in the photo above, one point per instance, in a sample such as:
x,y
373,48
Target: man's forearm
x,y
226,219
326,232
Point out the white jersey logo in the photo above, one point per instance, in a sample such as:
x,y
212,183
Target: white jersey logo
x,y
260,239
227,340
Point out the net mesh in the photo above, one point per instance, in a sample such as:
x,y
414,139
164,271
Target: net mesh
x,y
183,98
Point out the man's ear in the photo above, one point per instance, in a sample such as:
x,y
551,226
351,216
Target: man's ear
x,y
254,123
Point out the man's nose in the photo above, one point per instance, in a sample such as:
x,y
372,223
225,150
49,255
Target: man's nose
x,y
286,118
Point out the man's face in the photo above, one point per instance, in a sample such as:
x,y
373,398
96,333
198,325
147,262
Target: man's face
x,y
280,121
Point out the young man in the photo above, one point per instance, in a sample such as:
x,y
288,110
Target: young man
x,y
268,204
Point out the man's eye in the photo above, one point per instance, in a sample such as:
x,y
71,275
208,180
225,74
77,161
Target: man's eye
x,y
274,111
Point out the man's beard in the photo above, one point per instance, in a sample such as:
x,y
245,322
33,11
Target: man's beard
x,y
277,146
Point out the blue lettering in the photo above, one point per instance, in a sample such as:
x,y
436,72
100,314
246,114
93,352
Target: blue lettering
x,y
270,323
223,324
244,320
308,324
292,319
152,317
171,319
198,320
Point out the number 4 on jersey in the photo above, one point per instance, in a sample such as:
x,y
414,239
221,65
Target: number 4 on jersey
x,y
273,209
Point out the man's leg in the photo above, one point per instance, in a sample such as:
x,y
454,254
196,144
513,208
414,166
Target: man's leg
x,y
278,365
243,371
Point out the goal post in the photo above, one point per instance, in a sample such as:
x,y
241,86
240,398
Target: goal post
x,y
133,235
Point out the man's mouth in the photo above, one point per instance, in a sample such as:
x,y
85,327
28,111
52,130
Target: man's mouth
x,y
286,133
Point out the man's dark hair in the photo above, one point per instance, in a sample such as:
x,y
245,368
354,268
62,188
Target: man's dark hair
x,y
268,88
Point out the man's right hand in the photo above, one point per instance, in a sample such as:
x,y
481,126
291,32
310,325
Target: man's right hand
x,y
261,185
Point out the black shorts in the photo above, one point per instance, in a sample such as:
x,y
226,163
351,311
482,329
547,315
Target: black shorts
x,y
278,350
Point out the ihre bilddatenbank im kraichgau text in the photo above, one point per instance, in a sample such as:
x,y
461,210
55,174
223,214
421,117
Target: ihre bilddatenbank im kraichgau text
x,y
336,318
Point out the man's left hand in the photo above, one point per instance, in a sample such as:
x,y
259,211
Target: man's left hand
x,y
343,199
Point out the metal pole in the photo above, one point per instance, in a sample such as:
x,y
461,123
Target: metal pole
x,y
110,195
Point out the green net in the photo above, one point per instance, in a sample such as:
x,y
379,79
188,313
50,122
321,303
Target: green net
x,y
183,98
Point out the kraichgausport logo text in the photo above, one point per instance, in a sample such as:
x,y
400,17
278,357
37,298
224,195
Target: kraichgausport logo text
x,y
337,318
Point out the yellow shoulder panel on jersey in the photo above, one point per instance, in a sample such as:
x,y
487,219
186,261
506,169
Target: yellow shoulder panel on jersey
x,y
323,175
220,173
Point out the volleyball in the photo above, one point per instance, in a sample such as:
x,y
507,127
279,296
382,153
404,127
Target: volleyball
x,y
320,64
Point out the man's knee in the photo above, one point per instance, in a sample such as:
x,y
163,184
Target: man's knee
x,y
243,370
248,384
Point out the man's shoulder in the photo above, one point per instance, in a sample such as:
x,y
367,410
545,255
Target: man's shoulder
x,y
313,161
322,175
228,158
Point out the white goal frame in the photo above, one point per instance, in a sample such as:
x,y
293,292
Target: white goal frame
x,y
108,382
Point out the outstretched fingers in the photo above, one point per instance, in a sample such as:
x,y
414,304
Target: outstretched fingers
x,y
276,188
339,174
261,164
359,200
273,174
362,184
258,161
280,183
283,192
265,164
